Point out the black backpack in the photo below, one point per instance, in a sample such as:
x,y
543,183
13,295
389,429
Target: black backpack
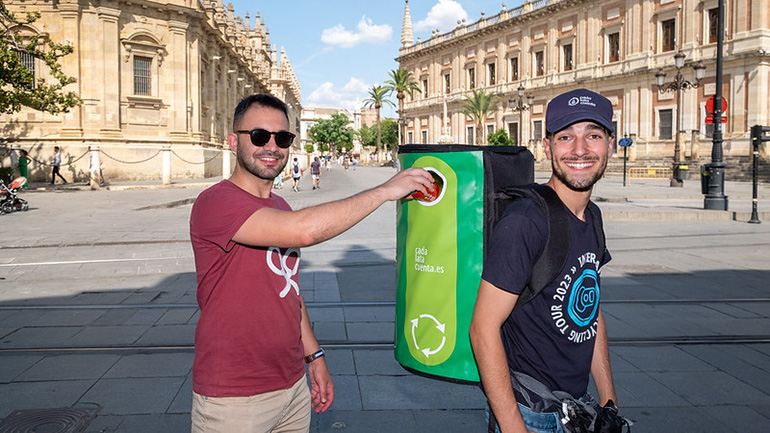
x,y
554,255
296,168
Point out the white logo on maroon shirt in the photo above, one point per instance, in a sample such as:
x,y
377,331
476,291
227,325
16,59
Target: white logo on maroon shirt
x,y
284,268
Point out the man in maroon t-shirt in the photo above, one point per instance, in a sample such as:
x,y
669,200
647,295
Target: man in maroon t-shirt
x,y
254,336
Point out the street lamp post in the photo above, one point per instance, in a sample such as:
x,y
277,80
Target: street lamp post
x,y
715,195
518,105
678,85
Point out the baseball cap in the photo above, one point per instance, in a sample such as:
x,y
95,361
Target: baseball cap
x,y
576,106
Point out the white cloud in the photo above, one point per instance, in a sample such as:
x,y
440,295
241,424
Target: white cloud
x,y
367,33
348,97
443,16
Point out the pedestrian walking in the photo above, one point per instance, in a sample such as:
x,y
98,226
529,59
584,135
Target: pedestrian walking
x,y
296,174
24,167
254,338
56,166
315,172
528,353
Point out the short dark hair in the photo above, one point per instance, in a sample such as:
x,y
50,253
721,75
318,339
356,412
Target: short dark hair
x,y
261,99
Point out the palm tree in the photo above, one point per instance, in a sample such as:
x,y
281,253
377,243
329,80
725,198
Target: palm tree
x,y
376,98
401,83
478,106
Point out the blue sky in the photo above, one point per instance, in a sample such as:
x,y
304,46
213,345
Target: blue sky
x,y
340,48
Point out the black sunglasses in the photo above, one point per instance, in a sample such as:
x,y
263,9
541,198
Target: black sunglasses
x,y
260,137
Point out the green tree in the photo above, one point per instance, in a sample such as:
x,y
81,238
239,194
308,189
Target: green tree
x,y
367,136
401,83
478,106
18,87
500,138
378,97
333,132
309,148
389,133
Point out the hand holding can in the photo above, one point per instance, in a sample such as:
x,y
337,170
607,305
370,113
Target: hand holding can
x,y
433,192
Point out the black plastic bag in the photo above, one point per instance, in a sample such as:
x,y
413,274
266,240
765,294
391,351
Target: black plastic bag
x,y
608,420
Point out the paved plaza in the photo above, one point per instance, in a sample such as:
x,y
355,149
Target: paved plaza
x,y
98,310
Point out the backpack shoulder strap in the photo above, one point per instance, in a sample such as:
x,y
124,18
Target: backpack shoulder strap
x,y
596,219
554,255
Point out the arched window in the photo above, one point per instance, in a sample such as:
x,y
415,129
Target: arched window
x,y
28,60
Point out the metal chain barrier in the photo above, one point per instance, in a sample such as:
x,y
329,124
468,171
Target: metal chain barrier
x,y
5,151
128,162
195,163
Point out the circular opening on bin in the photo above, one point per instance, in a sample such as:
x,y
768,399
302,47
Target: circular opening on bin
x,y
439,181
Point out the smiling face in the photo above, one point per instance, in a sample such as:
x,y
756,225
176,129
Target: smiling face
x,y
265,162
579,154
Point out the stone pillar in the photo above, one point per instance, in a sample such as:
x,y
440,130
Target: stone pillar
x,y
70,15
195,98
176,84
213,91
633,147
166,164
93,167
110,46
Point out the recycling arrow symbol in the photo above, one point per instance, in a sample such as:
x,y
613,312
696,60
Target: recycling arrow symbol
x,y
440,326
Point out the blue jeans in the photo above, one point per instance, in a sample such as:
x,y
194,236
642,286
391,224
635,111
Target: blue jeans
x,y
547,422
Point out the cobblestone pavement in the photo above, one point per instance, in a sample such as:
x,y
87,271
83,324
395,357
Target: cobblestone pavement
x,y
97,307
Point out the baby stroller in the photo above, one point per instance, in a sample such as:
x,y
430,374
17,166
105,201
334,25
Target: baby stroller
x,y
12,202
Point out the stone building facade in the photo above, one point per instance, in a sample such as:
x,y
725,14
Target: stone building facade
x,y
528,54
158,80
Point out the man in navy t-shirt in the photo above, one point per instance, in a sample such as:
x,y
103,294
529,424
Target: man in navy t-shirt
x,y
559,337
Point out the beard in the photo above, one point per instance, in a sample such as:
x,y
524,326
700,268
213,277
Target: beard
x,y
252,163
580,183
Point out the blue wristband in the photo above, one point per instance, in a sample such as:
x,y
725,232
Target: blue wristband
x,y
313,356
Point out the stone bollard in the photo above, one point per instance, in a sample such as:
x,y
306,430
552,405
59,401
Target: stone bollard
x,y
93,168
167,164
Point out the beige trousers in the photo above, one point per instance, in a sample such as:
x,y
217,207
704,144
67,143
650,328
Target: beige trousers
x,y
282,411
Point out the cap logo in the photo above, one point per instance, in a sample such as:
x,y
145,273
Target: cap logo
x,y
582,100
